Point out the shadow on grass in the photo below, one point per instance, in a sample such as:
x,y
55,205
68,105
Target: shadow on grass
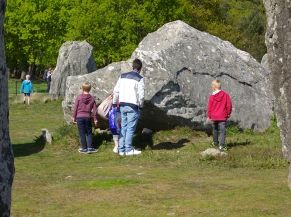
x,y
100,138
26,149
142,141
237,143
171,145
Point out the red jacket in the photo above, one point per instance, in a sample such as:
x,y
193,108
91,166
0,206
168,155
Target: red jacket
x,y
219,106
85,107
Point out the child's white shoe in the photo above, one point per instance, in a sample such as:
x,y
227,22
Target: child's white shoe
x,y
133,152
121,154
115,150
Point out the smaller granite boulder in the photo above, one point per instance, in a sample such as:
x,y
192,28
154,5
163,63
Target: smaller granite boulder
x,y
75,58
47,136
212,152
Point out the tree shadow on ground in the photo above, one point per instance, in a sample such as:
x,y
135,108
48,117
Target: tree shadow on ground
x,y
26,149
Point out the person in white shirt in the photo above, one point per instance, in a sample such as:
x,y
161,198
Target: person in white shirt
x,y
129,94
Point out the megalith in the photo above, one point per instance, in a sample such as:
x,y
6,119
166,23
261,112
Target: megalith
x,y
278,40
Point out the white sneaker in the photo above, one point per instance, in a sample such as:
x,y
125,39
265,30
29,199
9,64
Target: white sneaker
x,y
222,149
121,153
132,152
115,150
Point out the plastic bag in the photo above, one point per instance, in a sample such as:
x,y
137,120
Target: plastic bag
x,y
114,120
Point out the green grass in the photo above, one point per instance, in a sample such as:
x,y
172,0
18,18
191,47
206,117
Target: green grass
x,y
169,179
27,121
102,184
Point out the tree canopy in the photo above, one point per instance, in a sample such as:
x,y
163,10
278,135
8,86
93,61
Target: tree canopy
x,y
35,29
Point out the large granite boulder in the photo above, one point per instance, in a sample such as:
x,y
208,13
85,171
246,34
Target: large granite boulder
x,y
278,40
180,63
75,58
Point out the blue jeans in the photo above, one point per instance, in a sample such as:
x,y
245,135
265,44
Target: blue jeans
x,y
85,132
129,119
219,127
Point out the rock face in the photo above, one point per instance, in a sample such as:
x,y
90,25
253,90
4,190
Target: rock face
x,y
6,155
179,64
75,58
278,40
266,65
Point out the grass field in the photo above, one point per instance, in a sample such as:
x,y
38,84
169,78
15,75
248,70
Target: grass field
x,y
168,179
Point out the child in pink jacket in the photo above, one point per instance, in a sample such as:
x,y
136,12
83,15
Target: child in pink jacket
x,y
219,111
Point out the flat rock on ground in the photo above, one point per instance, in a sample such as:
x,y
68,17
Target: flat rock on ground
x,y
213,152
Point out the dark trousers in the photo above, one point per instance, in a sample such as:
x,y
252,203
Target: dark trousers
x,y
219,133
85,131
48,83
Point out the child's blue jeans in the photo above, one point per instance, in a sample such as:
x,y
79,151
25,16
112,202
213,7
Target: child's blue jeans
x,y
85,132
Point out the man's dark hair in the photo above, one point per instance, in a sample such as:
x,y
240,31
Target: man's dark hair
x,y
137,64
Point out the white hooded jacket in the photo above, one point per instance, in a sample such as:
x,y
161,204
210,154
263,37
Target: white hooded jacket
x,y
129,90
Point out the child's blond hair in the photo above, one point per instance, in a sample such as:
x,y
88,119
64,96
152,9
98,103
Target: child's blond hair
x,y
86,87
216,83
27,77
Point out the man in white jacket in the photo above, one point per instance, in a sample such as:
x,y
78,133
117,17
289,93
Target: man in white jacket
x,y
129,93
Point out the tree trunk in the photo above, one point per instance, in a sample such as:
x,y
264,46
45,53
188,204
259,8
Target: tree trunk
x,y
6,155
278,40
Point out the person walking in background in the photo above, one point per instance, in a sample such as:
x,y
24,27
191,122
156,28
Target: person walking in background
x,y
219,111
84,110
44,77
129,92
26,89
49,79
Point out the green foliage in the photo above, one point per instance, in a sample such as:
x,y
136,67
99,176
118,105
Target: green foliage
x,y
35,29
115,27
249,19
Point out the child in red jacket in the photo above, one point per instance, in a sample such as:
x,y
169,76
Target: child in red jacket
x,y
219,111
84,110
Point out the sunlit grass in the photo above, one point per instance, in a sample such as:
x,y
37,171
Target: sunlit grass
x,y
168,179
